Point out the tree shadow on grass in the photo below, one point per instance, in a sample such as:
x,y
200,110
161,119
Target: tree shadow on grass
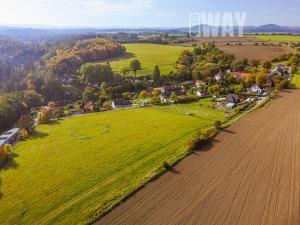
x,y
1,194
39,134
127,55
10,164
52,122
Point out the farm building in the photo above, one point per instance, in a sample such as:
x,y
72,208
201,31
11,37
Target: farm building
x,y
121,103
9,137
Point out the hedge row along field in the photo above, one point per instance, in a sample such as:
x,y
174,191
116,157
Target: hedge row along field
x,y
74,170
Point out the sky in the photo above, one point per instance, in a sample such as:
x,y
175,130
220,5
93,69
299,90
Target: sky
x,y
141,13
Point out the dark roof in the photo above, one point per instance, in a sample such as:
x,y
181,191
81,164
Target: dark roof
x,y
233,98
122,102
171,88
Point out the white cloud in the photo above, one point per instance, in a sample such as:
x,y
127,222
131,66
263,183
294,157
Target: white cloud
x,y
122,8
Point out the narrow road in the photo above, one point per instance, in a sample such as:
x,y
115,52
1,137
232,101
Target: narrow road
x,y
250,175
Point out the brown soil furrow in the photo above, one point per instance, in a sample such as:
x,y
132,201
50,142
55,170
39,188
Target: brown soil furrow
x,y
249,175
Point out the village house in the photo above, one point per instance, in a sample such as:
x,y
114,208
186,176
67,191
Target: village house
x,y
168,90
255,89
202,93
200,83
220,76
121,103
282,71
232,100
9,137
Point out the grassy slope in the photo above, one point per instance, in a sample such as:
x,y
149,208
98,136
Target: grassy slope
x,y
296,78
79,168
149,55
278,37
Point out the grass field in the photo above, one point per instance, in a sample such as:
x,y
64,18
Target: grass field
x,y
296,78
278,38
78,168
149,55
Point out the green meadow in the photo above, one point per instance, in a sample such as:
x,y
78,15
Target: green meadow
x,y
165,56
75,169
279,38
296,78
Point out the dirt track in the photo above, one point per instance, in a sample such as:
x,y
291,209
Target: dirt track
x,y
250,175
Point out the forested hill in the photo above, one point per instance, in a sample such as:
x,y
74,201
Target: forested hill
x,y
69,58
16,60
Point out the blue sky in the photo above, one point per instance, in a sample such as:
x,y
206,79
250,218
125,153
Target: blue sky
x,y
142,13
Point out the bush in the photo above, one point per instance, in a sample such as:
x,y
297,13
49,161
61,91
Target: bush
x,y
195,143
106,105
218,124
23,134
6,153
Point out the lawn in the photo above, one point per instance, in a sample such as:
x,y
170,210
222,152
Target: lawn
x,y
296,78
78,168
279,38
149,55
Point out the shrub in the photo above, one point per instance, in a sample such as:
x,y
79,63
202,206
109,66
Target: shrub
x,y
218,124
23,134
106,105
6,153
166,165
195,143
45,116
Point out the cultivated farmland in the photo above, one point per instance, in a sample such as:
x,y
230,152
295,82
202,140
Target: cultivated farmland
x,y
149,55
75,169
279,38
249,175
251,52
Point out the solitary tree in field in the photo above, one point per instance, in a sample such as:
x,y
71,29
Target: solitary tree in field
x,y
124,71
156,74
135,65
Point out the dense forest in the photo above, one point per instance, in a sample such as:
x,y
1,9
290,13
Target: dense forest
x,y
17,59
69,58
37,71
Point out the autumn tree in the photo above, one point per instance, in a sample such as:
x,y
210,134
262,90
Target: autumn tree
x,y
261,79
26,122
44,116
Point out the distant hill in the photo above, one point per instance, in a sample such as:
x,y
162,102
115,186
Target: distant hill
x,y
46,34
